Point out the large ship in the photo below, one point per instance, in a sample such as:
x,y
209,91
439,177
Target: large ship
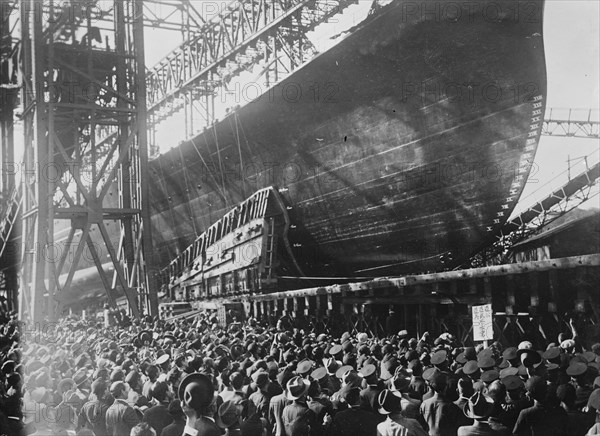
x,y
401,149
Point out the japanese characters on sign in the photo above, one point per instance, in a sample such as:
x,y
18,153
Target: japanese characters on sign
x,y
483,329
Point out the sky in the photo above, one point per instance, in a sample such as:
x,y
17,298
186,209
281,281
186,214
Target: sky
x,y
572,47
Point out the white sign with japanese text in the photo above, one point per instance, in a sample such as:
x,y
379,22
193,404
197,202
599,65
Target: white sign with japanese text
x,y
483,328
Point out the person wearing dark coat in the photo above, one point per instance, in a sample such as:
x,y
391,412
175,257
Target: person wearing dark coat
x,y
354,421
196,392
479,408
368,396
418,387
177,426
93,413
158,416
297,418
120,416
543,418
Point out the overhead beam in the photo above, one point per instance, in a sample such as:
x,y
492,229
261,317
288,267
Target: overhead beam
x,y
572,123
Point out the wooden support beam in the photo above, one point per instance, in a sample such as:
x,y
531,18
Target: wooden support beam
x,y
510,295
534,291
487,288
553,291
306,306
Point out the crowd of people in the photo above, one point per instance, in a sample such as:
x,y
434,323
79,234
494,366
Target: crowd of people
x,y
198,378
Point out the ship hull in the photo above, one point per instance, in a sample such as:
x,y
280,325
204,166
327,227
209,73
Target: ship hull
x,y
402,149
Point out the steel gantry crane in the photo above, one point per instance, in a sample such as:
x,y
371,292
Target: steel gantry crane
x,y
83,81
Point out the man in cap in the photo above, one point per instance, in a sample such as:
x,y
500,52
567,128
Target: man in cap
x,y
579,422
120,416
368,396
516,400
389,404
297,418
235,394
440,413
543,418
354,421
266,390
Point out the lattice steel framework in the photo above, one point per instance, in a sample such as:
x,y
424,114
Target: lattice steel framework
x,y
567,197
10,199
83,76
575,123
269,33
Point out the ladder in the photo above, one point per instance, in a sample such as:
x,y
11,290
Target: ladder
x,y
10,217
270,252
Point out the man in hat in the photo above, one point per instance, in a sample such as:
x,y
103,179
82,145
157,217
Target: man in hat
x,y
389,404
440,413
297,418
479,408
120,416
93,413
543,418
333,383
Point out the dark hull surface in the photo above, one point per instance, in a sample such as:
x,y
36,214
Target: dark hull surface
x,y
401,149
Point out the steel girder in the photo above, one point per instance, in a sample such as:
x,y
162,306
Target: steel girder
x,y
83,77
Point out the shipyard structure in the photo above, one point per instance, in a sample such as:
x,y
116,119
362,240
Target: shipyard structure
x,y
371,163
